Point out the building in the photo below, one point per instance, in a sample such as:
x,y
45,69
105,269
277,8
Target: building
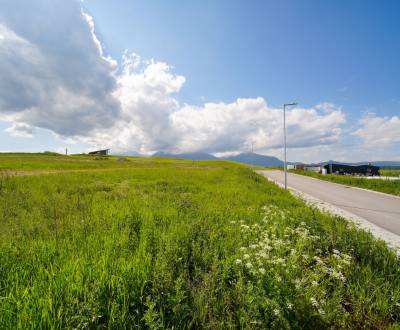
x,y
313,168
103,152
342,169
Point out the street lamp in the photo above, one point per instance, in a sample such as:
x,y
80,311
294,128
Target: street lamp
x,y
284,136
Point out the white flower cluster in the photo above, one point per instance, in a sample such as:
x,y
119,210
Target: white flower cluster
x,y
288,255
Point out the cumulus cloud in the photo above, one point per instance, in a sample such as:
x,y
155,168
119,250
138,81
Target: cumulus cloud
x,y
56,76
375,130
54,73
221,127
20,130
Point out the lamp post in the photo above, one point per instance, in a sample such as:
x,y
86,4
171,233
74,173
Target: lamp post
x,y
284,137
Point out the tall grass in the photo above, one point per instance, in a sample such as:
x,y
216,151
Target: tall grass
x,y
184,247
391,172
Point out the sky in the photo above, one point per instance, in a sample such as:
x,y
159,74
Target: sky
x,y
205,76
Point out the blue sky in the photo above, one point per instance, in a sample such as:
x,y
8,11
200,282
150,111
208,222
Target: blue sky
x,y
339,60
346,52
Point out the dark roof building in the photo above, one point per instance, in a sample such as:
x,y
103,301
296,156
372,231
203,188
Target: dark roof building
x,y
100,152
368,170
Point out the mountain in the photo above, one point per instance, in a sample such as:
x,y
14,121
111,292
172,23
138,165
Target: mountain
x,y
189,155
255,159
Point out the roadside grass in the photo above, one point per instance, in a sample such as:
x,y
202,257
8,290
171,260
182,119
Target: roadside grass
x,y
386,186
391,172
159,247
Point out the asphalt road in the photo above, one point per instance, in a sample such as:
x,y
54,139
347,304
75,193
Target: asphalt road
x,y
381,209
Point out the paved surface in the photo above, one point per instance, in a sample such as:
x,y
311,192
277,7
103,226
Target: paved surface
x,y
380,209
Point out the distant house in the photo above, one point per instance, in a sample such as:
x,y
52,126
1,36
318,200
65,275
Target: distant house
x,y
313,168
103,152
368,170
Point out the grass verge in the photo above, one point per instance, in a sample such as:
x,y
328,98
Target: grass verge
x,y
391,187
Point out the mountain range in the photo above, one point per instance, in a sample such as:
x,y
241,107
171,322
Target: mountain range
x,y
251,158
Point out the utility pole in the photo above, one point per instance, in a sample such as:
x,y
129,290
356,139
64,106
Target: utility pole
x,y
66,151
284,137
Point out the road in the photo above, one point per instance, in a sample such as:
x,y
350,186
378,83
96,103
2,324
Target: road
x,y
380,209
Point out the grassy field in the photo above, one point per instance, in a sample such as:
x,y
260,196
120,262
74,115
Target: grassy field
x,y
390,172
386,186
180,245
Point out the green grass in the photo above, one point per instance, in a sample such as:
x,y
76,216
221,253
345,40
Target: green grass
x,y
391,172
386,186
172,245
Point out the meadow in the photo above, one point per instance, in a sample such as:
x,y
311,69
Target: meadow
x,y
390,172
172,244
382,185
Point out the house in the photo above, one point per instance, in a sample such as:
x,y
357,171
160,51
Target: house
x,y
103,152
313,168
342,169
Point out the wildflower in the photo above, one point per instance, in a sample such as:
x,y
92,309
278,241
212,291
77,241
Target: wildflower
x,y
336,251
249,265
289,306
276,312
244,227
321,311
246,256
238,261
242,248
280,261
261,270
314,283
318,260
314,302
278,279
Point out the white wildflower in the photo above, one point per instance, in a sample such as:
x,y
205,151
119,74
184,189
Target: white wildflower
x,y
249,265
242,248
289,306
276,312
314,283
314,302
261,270
246,256
238,261
321,311
336,251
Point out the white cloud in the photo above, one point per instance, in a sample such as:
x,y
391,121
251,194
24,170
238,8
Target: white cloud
x,y
375,130
56,76
54,73
20,130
